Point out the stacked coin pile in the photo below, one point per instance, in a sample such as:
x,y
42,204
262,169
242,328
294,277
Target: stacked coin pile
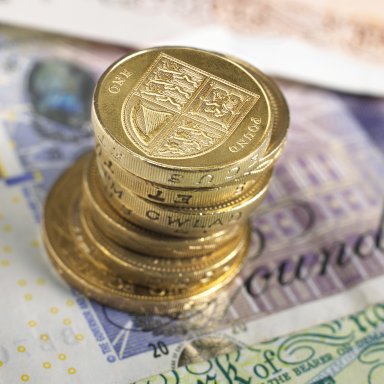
x,y
155,220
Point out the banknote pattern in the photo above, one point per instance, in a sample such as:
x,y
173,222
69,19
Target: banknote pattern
x,y
329,35
349,350
317,237
336,27
45,100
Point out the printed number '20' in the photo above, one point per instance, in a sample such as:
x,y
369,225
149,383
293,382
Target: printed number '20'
x,y
159,349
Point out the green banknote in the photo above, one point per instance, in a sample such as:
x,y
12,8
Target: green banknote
x,y
349,350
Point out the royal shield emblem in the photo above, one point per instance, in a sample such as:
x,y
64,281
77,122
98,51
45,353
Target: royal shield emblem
x,y
179,111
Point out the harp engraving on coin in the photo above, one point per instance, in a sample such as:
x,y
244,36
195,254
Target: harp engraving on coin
x,y
179,111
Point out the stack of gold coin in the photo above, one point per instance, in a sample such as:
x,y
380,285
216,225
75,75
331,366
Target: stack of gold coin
x,y
155,220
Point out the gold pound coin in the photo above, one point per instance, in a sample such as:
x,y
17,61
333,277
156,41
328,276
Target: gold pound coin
x,y
73,258
127,234
280,112
161,273
182,117
176,221
178,197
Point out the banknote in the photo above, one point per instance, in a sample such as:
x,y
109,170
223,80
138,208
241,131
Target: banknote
x,y
45,103
336,44
348,350
317,241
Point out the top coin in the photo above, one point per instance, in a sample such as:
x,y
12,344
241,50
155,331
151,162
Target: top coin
x,y
182,116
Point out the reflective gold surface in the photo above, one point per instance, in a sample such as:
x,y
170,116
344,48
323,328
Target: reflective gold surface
x,y
130,235
161,272
155,220
180,116
74,258
111,172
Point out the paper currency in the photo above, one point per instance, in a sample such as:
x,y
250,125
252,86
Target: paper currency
x,y
349,350
317,250
333,44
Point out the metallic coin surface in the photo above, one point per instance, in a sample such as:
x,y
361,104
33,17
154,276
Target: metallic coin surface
x,y
73,258
139,239
176,116
111,171
156,221
161,273
280,111
177,221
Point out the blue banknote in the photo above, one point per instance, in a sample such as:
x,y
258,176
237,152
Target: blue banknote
x,y
319,233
